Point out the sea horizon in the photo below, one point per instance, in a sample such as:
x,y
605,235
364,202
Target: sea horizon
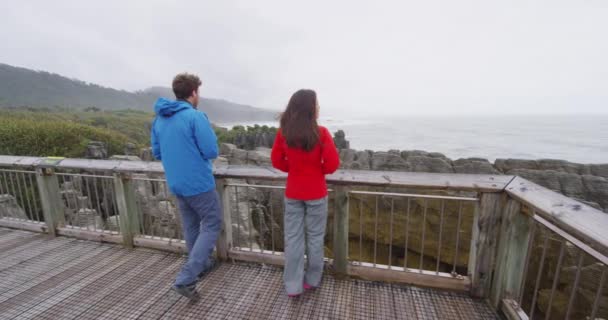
x,y
574,138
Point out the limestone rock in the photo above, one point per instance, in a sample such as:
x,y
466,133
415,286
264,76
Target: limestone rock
x,y
340,140
259,157
596,189
407,153
429,164
389,162
10,208
506,165
250,141
239,156
96,150
226,149
220,161
130,149
347,157
362,161
599,170
474,166
561,165
146,154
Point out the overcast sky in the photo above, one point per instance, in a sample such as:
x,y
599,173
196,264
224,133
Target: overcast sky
x,y
398,57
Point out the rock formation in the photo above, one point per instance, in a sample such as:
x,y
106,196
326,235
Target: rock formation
x,y
340,140
96,150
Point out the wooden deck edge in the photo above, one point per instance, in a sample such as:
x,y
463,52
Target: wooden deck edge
x,y
175,247
257,257
24,225
367,273
90,235
512,311
411,278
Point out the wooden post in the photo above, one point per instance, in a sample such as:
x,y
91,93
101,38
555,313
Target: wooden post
x,y
126,202
224,241
512,251
340,264
52,208
486,226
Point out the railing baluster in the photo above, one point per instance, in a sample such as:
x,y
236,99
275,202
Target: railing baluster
x,y
407,233
527,265
457,238
15,191
556,279
107,210
238,219
261,228
423,234
360,230
90,201
376,233
98,202
440,236
390,241
2,191
539,276
598,294
35,196
579,265
26,194
271,220
249,218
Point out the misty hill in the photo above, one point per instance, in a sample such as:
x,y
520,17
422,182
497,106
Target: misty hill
x,y
21,87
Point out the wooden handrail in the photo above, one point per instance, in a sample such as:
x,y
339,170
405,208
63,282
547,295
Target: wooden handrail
x,y
439,181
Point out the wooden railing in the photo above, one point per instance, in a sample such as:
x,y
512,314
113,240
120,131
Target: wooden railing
x,y
506,214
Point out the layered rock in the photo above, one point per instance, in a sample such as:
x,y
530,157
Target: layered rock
x,y
9,208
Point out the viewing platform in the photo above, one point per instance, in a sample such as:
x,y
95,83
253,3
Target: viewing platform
x,y
90,239
64,278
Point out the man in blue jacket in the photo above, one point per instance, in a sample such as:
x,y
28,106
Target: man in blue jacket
x,y
182,138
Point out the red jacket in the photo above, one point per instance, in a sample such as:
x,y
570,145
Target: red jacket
x,y
306,170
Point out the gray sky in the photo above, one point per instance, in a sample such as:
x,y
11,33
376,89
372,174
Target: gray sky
x,y
367,57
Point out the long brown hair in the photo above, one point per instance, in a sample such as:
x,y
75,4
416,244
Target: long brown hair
x,y
299,121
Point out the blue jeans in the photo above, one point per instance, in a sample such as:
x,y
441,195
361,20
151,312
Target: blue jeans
x,y
301,217
202,222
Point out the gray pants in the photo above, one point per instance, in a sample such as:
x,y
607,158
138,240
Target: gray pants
x,y
310,217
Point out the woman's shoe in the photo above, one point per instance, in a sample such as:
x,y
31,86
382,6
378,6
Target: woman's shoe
x,y
308,287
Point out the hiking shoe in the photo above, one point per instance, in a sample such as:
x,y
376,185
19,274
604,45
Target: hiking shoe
x,y
188,291
212,263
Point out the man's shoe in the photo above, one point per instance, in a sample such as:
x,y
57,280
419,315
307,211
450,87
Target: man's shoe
x,y
212,263
188,291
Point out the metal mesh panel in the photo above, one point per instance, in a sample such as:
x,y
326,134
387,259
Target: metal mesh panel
x,y
71,279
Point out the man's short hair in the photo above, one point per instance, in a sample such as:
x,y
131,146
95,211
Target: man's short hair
x,y
184,84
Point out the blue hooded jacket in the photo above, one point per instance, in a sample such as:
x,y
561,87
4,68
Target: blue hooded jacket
x,y
182,138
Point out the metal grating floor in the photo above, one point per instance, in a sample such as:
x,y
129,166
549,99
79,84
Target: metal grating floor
x,y
62,278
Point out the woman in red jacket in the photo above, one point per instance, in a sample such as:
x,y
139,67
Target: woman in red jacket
x,y
306,151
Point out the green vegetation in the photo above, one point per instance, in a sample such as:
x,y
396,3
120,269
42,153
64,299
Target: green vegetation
x,y
61,132
240,133
65,132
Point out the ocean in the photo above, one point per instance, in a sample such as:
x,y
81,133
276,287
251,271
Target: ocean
x,y
576,138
